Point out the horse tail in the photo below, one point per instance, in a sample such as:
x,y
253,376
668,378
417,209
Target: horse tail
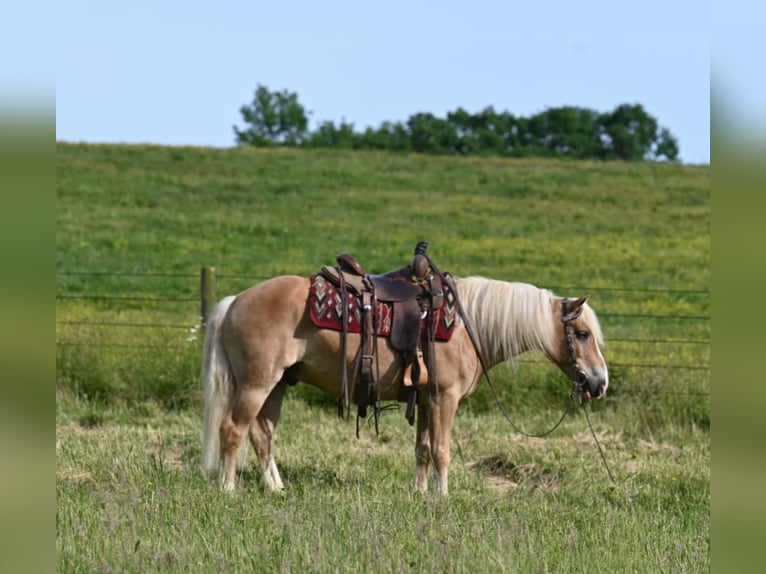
x,y
217,385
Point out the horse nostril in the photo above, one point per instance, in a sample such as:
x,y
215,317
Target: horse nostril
x,y
599,391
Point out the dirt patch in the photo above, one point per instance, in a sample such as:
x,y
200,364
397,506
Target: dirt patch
x,y
586,440
505,475
74,428
651,447
74,476
169,457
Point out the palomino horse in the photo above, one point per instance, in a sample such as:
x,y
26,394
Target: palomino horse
x,y
263,339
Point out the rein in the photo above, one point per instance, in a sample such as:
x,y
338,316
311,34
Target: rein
x,y
578,380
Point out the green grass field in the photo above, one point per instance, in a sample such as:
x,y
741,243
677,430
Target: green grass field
x,y
136,223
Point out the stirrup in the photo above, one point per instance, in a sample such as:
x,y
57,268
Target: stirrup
x,y
418,366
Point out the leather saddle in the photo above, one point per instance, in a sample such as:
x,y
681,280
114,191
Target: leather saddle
x,y
415,292
406,288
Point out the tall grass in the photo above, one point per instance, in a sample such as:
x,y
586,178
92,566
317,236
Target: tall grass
x,y
102,356
131,498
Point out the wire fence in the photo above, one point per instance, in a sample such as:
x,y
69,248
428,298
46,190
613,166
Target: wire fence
x,y
691,353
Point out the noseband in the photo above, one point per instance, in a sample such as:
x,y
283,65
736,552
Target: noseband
x,y
580,377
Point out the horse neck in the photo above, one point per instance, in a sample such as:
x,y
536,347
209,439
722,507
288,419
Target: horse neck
x,y
508,318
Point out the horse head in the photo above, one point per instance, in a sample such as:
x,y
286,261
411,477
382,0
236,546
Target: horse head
x,y
576,351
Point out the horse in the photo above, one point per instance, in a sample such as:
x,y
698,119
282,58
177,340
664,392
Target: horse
x,y
262,340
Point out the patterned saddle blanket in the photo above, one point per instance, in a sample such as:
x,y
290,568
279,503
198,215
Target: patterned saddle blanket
x,y
325,310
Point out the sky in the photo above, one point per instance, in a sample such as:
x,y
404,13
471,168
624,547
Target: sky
x,y
177,73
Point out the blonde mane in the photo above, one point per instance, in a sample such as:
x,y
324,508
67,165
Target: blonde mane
x,y
512,318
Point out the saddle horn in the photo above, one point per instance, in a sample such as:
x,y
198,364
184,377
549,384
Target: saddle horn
x,y
421,264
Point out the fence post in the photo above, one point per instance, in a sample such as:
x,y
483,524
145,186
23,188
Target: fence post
x,y
207,293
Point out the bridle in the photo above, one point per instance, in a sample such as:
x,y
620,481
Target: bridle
x,y
579,377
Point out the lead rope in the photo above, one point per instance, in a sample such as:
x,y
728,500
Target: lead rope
x,y
598,444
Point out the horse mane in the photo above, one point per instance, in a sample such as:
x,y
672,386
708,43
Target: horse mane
x,y
512,318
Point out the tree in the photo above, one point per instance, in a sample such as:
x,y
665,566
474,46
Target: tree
x,y
632,134
626,133
274,118
430,134
466,131
667,146
567,131
389,136
329,136
484,133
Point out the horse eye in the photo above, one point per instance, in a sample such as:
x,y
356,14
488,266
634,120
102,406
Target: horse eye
x,y
582,335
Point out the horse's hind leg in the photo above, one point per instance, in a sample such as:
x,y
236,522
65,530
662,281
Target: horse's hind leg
x,y
245,407
262,436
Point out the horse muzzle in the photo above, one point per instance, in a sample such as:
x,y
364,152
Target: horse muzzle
x,y
591,386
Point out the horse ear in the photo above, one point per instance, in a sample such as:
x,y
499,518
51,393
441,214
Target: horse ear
x,y
575,307
581,301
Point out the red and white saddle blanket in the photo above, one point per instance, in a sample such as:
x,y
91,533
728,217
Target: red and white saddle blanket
x,y
325,309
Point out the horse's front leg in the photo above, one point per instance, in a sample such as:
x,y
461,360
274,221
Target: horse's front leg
x,y
442,408
422,446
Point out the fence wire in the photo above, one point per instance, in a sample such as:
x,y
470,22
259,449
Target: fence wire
x,y
78,326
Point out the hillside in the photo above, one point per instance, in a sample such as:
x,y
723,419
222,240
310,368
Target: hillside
x,y
143,209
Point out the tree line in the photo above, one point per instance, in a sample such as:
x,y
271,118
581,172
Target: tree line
x,y
628,132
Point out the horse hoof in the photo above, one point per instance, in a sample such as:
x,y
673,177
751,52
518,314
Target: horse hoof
x,y
227,487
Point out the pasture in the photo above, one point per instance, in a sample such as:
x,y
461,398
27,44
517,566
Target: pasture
x,y
136,223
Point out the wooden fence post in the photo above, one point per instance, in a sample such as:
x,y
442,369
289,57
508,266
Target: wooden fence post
x,y
207,293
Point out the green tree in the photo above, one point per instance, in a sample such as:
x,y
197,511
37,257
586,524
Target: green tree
x,y
484,133
627,133
328,135
466,129
666,146
566,131
430,134
389,136
273,118
630,133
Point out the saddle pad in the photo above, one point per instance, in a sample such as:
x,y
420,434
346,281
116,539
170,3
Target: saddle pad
x,y
325,310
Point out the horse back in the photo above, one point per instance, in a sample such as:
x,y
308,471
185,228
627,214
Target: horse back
x,y
264,319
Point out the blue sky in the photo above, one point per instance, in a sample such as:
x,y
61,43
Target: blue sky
x,y
177,73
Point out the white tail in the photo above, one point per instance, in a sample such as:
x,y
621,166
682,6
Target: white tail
x,y
216,385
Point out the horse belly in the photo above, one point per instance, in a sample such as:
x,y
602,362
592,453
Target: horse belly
x,y
322,366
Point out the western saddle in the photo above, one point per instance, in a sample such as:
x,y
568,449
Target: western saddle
x,y
415,292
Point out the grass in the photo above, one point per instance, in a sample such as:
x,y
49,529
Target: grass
x,y
130,497
138,222
270,212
